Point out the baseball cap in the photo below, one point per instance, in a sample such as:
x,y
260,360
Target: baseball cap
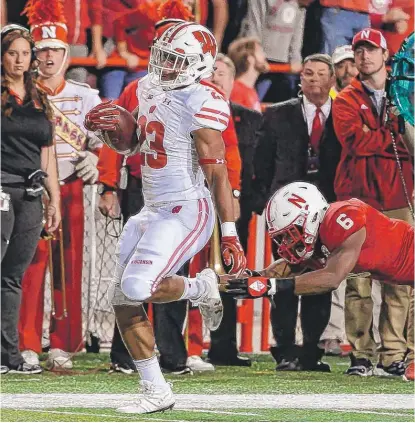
x,y
341,53
371,36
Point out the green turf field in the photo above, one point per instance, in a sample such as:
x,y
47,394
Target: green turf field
x,y
228,394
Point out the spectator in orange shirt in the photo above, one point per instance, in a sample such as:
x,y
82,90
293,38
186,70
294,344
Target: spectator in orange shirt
x,y
134,32
250,61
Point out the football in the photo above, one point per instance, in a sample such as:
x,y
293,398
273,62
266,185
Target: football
x,y
124,138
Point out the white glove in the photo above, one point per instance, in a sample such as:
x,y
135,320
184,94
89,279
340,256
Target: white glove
x,y
86,168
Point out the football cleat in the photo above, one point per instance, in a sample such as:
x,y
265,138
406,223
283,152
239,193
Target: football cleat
x,y
210,303
360,367
396,369
154,399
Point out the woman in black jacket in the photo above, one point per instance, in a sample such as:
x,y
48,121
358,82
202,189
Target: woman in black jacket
x,y
28,163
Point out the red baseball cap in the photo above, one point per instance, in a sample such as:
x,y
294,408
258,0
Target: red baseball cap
x,y
369,35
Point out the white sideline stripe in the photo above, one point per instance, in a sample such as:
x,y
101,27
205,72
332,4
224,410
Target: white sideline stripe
x,y
214,402
124,417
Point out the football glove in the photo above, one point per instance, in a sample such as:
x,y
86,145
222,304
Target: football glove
x,y
233,254
103,117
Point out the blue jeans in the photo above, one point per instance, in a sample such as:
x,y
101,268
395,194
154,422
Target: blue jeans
x,y
339,26
115,80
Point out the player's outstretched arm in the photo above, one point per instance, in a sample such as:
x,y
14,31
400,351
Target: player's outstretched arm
x,y
277,278
339,264
211,152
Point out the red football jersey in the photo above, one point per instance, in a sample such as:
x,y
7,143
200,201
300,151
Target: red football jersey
x,y
388,251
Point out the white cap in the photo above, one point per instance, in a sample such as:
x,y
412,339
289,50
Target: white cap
x,y
341,53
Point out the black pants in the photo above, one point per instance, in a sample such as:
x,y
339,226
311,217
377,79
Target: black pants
x,y
223,340
20,231
315,315
168,318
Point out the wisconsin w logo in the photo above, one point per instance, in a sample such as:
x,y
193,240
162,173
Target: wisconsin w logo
x,y
207,42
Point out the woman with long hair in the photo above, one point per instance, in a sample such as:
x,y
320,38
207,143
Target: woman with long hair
x,y
28,163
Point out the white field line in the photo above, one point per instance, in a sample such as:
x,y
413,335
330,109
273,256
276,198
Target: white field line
x,y
217,402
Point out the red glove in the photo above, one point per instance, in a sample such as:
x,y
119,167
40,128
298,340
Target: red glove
x,y
103,117
233,254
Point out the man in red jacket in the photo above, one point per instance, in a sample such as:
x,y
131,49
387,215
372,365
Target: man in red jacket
x,y
375,167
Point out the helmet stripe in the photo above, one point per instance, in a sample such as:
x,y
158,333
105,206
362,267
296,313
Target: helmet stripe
x,y
179,28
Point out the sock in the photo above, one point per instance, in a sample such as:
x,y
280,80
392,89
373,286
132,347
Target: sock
x,y
149,369
193,289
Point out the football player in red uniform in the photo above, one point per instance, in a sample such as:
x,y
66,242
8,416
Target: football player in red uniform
x,y
333,241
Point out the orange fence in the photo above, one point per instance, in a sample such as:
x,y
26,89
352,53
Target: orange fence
x,y
118,62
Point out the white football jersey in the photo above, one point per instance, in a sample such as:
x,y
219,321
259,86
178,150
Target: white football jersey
x,y
75,100
170,164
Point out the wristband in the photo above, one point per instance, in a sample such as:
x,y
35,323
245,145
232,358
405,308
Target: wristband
x,y
229,229
281,284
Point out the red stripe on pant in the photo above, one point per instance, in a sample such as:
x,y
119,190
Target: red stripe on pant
x,y
67,334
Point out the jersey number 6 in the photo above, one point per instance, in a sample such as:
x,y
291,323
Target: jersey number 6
x,y
158,159
344,221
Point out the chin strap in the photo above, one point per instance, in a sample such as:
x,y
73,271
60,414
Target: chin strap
x,y
65,57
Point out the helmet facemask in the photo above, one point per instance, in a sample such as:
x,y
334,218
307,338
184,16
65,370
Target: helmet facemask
x,y
171,69
296,242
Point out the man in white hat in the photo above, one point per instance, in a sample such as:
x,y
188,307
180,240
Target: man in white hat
x,y
345,70
344,67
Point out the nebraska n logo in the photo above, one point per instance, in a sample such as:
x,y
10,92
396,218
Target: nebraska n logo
x,y
48,32
365,34
207,42
297,201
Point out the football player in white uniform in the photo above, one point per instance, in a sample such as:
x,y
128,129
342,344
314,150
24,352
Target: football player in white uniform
x,y
179,125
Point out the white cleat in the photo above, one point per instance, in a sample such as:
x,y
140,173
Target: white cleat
x,y
154,399
30,357
210,303
58,360
195,363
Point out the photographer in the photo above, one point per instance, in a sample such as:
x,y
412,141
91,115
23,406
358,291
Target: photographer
x,y
28,163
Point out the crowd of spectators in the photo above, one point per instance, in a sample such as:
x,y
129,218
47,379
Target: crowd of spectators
x,y
324,121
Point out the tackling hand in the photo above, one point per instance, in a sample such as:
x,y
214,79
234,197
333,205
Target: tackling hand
x,y
103,117
252,285
233,254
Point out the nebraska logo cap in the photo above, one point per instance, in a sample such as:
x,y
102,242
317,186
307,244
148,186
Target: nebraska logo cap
x,y
371,36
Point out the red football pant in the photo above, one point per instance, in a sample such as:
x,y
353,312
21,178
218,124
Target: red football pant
x,y
67,333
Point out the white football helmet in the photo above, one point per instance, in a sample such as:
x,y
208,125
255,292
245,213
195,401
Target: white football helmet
x,y
294,214
185,53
